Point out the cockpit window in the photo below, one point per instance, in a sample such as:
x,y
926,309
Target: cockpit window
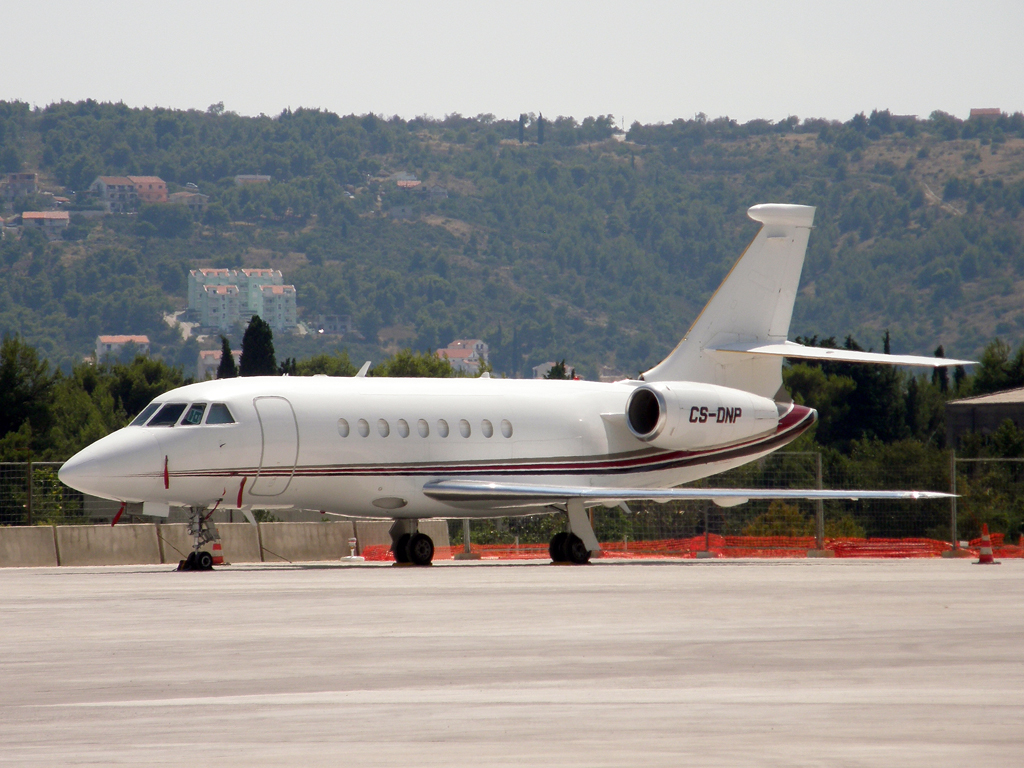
x,y
219,414
194,415
168,415
148,411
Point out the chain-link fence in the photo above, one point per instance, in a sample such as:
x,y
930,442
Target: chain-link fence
x,y
31,494
866,519
991,491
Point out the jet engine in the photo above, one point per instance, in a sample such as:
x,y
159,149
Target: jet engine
x,y
687,415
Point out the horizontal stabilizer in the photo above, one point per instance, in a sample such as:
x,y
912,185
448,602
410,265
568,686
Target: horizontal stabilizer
x,y
510,495
794,350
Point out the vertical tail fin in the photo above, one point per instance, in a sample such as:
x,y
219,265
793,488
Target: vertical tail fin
x,y
753,304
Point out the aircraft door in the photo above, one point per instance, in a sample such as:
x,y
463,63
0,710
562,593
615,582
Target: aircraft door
x,y
280,446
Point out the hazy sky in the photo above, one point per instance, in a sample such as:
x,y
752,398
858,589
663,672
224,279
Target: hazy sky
x,y
648,61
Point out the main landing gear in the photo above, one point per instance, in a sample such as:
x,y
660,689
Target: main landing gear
x,y
567,547
576,544
408,545
203,531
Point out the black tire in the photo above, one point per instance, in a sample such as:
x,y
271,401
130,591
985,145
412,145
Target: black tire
x,y
575,550
204,561
557,547
190,562
400,549
420,549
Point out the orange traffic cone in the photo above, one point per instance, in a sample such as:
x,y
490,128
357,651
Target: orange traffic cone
x,y
218,554
985,555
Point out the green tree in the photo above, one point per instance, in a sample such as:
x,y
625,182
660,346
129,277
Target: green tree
x,y
227,368
25,393
419,365
560,371
257,350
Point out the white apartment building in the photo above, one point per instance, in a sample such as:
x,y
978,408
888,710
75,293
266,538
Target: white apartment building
x,y
254,292
276,305
219,306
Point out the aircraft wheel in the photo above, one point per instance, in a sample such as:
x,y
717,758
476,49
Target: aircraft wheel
x,y
189,563
400,548
575,550
420,549
557,547
203,561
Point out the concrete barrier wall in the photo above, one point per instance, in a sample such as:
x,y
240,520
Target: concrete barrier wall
x,y
27,546
297,542
106,545
142,544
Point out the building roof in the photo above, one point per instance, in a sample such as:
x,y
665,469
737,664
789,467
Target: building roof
x,y
123,339
146,179
986,112
209,354
995,398
56,215
259,271
115,181
211,271
457,354
278,289
222,289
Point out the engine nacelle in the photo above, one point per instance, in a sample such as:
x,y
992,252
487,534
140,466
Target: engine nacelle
x,y
686,415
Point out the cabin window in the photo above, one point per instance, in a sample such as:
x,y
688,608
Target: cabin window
x,y
487,428
343,427
219,414
423,428
194,415
383,427
363,427
148,411
464,429
403,427
168,415
442,428
506,428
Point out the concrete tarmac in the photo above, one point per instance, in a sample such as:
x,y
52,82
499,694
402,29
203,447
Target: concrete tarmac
x,y
702,663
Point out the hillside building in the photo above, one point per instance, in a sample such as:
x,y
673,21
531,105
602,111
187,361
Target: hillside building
x,y
223,297
19,185
276,305
111,346
251,178
219,306
465,355
117,193
50,223
150,189
194,201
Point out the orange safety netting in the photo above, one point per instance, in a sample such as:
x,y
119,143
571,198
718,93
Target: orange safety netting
x,y
723,546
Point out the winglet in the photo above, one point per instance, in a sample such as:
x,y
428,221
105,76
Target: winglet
x,y
363,370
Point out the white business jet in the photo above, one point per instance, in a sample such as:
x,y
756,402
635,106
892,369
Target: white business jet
x,y
409,449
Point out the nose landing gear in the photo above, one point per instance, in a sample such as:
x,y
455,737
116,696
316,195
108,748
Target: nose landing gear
x,y
203,531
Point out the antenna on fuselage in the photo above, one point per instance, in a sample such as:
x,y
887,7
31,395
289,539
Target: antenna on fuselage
x,y
363,370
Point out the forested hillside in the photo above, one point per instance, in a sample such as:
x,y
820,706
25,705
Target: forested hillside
x,y
595,246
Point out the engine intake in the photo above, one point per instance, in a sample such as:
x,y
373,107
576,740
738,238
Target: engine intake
x,y
687,415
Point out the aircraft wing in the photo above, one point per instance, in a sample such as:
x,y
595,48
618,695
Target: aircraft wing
x,y
794,350
479,493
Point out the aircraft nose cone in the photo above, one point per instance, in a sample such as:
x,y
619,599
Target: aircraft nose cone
x,y
116,467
